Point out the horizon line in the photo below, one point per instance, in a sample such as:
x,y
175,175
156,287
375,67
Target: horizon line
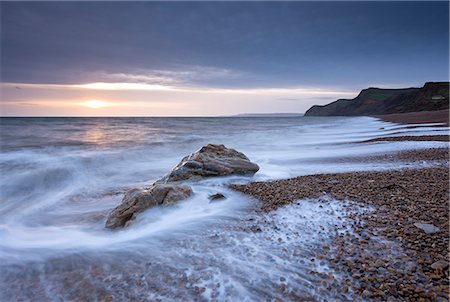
x,y
286,114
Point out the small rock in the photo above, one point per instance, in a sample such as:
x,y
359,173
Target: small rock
x,y
440,265
255,229
356,276
216,196
427,228
107,298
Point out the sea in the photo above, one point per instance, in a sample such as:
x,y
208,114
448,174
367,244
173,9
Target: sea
x,y
60,177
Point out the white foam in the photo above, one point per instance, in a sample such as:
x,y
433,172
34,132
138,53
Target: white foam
x,y
56,198
248,257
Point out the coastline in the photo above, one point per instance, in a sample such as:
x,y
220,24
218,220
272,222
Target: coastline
x,y
421,138
422,117
387,255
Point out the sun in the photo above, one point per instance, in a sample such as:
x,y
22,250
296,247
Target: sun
x,y
95,104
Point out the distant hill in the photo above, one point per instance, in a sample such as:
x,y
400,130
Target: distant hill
x,y
377,101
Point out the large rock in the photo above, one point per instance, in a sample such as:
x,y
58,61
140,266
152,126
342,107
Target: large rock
x,y
137,200
211,160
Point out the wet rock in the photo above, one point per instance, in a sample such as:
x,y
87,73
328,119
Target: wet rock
x,y
427,228
211,160
137,200
217,196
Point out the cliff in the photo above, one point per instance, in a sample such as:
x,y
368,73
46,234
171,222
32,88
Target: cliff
x,y
375,101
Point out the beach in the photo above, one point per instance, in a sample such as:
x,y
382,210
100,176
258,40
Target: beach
x,y
423,117
398,248
313,225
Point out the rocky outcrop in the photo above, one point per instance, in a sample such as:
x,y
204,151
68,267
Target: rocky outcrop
x,y
375,101
138,200
211,160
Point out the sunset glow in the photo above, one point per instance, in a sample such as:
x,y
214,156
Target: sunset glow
x,y
281,59
122,86
95,104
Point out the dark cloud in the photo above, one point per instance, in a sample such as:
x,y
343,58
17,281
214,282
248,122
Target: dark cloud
x,y
258,43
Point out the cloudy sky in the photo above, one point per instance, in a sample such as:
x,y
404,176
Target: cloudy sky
x,y
212,58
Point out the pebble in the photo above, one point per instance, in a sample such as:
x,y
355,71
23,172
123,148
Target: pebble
x,y
427,228
440,265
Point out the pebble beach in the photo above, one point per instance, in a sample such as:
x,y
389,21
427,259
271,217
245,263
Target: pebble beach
x,y
395,250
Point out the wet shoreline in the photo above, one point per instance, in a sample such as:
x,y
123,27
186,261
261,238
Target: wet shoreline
x,y
422,117
418,269
434,138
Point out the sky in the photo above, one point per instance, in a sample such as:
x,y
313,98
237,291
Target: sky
x,y
212,58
